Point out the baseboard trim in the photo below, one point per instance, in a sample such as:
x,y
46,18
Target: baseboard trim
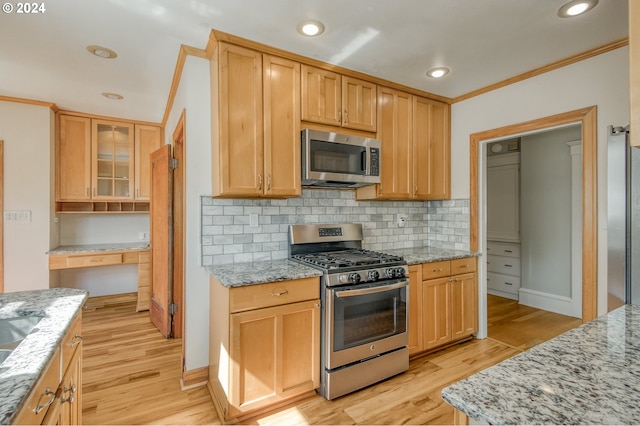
x,y
547,301
194,378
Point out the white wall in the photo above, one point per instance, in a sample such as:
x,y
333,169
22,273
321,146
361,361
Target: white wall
x,y
194,96
602,81
28,134
545,211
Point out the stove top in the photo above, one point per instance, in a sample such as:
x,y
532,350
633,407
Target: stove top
x,y
348,258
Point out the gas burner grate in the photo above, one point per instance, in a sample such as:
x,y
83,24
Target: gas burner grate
x,y
347,258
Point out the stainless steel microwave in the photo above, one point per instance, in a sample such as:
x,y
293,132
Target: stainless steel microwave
x,y
333,160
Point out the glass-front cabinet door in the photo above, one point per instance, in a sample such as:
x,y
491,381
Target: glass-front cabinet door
x,y
113,162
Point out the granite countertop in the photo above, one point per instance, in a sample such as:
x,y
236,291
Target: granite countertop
x,y
20,371
249,273
417,255
97,248
589,375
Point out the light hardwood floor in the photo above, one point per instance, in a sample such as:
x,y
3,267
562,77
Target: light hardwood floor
x,y
131,374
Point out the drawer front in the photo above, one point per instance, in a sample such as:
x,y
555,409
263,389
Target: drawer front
x,y
506,283
463,266
273,294
436,270
503,249
94,260
503,265
72,342
42,395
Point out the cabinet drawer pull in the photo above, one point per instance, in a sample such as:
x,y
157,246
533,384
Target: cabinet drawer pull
x,y
268,182
464,266
73,389
346,116
76,342
69,400
508,266
339,115
508,251
438,270
508,283
52,397
96,259
279,293
259,181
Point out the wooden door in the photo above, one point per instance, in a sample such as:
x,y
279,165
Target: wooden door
x,y
161,214
179,226
415,309
359,104
321,96
634,71
147,140
73,151
436,312
237,148
464,305
2,216
395,133
431,149
281,126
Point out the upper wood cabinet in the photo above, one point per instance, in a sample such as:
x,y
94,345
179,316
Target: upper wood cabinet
x,y
73,159
634,70
415,148
255,124
147,140
101,161
431,150
112,148
338,100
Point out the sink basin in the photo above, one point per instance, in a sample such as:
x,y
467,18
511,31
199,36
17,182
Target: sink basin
x,y
13,330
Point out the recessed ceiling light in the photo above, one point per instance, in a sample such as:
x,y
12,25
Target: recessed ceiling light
x,y
310,28
112,96
102,52
438,72
576,7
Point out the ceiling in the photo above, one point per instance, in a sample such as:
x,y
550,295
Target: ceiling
x,y
44,56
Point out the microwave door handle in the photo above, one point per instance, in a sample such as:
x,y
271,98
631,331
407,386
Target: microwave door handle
x,y
364,162
361,292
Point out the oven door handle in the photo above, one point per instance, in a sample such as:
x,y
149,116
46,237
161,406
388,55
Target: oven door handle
x,y
371,290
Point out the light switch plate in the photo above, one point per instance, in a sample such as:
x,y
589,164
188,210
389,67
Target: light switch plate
x,y
17,216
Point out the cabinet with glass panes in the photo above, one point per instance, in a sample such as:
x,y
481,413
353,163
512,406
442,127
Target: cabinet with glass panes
x,y
113,145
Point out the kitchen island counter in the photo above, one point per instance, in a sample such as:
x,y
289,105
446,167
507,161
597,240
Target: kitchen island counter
x,y
589,375
20,371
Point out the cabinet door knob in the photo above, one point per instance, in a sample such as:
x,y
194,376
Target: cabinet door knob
x,y
346,117
268,182
259,181
339,115
77,340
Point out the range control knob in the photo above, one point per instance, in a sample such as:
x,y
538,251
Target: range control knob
x,y
354,277
373,275
344,278
400,272
390,273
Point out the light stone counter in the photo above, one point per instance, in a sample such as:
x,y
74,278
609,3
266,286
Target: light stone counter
x,y
97,248
418,255
241,274
20,371
589,375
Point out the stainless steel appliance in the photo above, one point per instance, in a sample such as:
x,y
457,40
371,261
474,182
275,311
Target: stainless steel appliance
x,y
364,299
623,219
339,161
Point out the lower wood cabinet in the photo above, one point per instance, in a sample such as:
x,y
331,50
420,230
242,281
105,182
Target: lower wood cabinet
x,y
443,303
264,345
56,399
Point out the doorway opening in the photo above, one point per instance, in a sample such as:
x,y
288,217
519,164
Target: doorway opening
x,y
586,118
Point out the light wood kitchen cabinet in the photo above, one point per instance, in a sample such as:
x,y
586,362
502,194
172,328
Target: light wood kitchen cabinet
x,y
431,149
415,163
338,100
73,159
103,165
147,140
443,305
56,399
255,124
264,345
634,71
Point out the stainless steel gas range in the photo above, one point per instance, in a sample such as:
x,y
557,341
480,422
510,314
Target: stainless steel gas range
x,y
364,298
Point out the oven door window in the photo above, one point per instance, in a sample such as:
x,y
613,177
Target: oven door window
x,y
330,157
362,319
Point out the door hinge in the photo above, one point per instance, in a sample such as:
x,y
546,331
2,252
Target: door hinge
x,y
173,163
173,308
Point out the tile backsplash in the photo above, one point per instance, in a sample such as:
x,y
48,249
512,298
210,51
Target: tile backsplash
x,y
229,237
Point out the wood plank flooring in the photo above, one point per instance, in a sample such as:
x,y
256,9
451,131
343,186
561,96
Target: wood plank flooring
x,y
131,374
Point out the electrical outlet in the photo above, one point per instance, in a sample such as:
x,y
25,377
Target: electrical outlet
x,y
401,219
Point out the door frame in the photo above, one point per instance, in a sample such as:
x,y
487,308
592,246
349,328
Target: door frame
x,y
587,118
1,216
178,141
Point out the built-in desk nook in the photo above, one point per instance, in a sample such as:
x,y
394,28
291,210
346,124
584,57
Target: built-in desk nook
x,y
93,255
